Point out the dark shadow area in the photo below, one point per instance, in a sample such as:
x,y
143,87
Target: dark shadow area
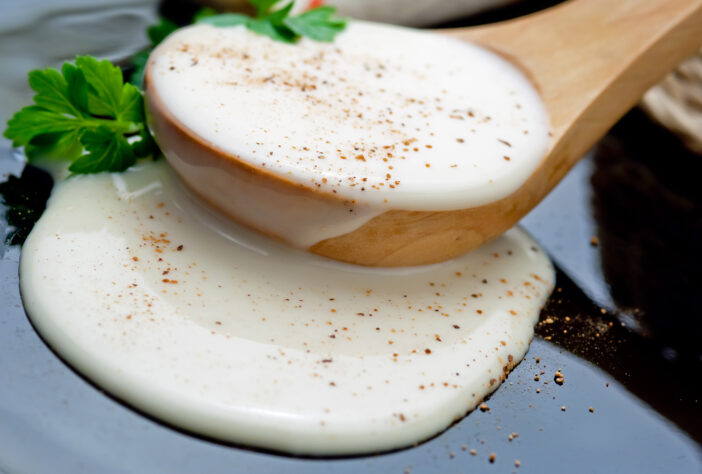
x,y
672,388
182,11
25,198
501,14
648,208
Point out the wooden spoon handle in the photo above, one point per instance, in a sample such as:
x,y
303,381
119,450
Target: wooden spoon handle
x,y
592,60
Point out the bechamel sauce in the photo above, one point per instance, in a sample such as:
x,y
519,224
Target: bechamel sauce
x,y
213,328
382,118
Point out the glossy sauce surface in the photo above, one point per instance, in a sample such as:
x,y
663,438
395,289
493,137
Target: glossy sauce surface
x,y
214,329
382,118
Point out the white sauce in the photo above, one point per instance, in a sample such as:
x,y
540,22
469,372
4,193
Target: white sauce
x,y
384,117
240,338
389,100
297,219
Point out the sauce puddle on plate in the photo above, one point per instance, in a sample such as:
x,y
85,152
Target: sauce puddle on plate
x,y
213,328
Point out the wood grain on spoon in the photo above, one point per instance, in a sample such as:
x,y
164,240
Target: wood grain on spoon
x,y
591,60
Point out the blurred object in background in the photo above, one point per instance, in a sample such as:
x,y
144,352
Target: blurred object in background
x,y
236,5
38,33
648,208
409,12
676,103
400,12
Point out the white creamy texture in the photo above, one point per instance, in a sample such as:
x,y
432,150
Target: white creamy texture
x,y
385,115
243,339
296,219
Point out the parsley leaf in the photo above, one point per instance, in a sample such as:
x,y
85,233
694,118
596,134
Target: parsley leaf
x,y
159,31
203,13
107,151
107,94
319,24
225,19
267,28
138,66
263,7
65,93
85,114
156,34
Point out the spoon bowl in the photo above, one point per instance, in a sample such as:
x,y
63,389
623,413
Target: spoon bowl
x,y
590,60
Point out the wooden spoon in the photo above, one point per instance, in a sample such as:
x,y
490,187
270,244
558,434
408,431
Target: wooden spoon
x,y
591,61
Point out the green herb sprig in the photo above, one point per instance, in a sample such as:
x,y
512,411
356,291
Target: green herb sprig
x,y
319,24
88,115
85,114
